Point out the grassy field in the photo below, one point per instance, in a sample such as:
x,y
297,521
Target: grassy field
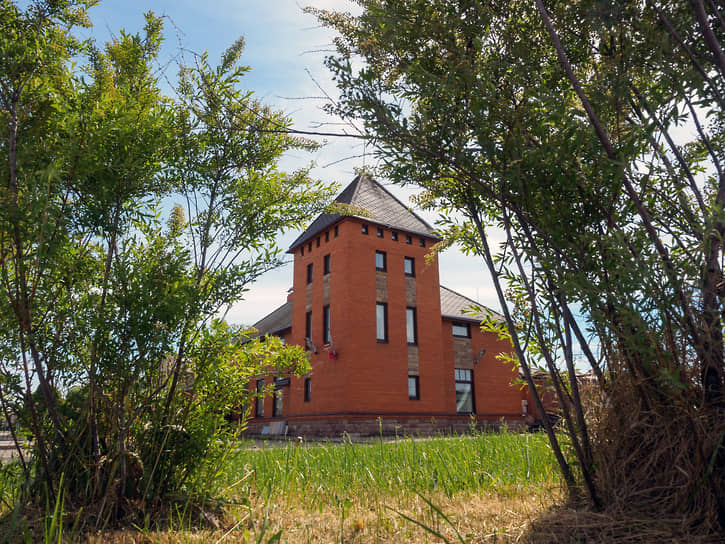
x,y
488,486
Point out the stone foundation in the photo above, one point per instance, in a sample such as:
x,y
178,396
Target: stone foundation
x,y
366,426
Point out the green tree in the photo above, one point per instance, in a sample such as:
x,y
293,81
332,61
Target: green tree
x,y
108,310
555,128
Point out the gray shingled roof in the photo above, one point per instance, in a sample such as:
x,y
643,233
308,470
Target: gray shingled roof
x,y
383,209
456,306
279,320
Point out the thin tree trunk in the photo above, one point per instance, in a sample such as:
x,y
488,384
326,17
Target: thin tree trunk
x,y
583,453
485,252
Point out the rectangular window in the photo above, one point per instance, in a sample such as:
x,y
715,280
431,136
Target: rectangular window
x,y
413,391
302,251
308,325
364,228
380,232
422,242
381,321
464,391
309,246
380,263
336,231
408,239
409,266
325,324
411,326
327,236
260,399
394,236
326,265
309,273
462,330
308,389
278,402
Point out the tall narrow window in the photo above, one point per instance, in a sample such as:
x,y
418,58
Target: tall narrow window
x,y
260,399
464,391
337,231
309,246
422,242
413,391
409,263
308,325
302,251
380,261
381,321
380,232
325,324
278,402
394,236
411,326
327,236
309,273
308,389
326,265
408,239
364,228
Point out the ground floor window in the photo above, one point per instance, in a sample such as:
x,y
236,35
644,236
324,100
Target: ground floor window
x,y
413,388
464,391
259,409
277,406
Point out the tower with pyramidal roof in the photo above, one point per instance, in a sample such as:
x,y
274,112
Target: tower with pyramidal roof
x,y
388,344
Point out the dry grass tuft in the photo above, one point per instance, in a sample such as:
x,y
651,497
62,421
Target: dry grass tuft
x,y
660,474
479,517
569,526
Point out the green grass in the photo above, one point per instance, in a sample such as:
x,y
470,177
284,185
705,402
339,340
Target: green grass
x,y
501,461
379,491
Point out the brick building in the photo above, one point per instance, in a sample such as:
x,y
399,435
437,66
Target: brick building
x,y
388,344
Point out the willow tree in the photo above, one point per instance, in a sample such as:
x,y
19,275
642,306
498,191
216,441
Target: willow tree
x,y
589,135
129,222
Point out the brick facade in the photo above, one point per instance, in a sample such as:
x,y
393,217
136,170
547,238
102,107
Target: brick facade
x,y
366,385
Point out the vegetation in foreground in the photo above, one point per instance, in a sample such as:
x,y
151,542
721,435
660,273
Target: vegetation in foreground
x,y
490,486
580,148
129,221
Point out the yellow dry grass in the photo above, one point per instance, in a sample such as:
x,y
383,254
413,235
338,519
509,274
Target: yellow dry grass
x,y
493,516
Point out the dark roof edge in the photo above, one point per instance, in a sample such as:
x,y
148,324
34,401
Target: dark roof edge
x,y
302,240
305,237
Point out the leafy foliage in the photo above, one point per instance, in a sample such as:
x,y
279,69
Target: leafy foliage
x,y
111,347
588,138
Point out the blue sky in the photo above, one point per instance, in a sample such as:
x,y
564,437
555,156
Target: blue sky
x,y
285,49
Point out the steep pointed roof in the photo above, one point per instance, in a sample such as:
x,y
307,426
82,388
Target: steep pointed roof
x,y
381,206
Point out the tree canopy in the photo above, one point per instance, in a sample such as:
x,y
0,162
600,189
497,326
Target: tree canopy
x,y
589,136
129,222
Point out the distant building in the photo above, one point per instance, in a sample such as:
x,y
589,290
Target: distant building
x,y
389,346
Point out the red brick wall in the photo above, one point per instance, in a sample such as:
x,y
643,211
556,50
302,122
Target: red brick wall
x,y
370,377
495,390
367,376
